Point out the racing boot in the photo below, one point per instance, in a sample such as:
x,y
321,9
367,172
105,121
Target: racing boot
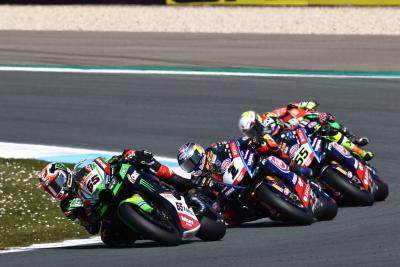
x,y
356,150
359,141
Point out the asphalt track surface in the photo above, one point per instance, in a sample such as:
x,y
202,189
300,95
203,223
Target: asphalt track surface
x,y
162,112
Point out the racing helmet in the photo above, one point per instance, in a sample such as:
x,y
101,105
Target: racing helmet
x,y
55,178
191,158
250,124
271,126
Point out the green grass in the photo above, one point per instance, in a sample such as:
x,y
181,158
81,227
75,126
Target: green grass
x,y
27,213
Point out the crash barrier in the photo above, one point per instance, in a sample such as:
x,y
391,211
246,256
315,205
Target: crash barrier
x,y
287,2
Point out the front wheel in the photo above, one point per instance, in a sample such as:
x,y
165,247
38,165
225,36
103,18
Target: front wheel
x,y
325,207
288,211
166,234
212,227
351,192
381,189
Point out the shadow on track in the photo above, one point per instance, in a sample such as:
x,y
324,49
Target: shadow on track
x,y
144,244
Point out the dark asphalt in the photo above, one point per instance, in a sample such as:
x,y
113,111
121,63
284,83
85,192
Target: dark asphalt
x,y
274,51
162,112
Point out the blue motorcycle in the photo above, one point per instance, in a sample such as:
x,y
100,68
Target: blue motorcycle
x,y
274,192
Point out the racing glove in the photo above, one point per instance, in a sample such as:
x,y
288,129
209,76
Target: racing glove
x,y
203,182
198,205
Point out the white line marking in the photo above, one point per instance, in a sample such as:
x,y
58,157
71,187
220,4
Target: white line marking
x,y
197,73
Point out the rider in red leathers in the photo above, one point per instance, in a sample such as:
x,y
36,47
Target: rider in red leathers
x,y
304,112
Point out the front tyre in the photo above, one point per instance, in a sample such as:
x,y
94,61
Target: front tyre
x,y
381,189
325,208
287,210
168,236
211,229
351,192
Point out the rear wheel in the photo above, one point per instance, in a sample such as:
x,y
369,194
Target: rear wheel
x,y
164,231
351,192
287,210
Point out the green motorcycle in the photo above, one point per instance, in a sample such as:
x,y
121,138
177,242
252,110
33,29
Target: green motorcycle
x,y
147,206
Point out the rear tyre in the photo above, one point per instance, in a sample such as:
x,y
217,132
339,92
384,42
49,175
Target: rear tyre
x,y
145,227
211,229
351,192
288,211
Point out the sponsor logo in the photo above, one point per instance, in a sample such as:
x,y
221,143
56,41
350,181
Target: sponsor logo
x,y
133,177
247,153
188,221
225,164
278,163
341,149
234,150
294,179
250,160
230,191
293,150
101,163
318,146
301,136
312,124
306,194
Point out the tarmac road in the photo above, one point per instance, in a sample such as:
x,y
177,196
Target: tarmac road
x,y
162,112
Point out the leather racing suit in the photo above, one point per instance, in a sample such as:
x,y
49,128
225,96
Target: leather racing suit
x,y
304,112
113,231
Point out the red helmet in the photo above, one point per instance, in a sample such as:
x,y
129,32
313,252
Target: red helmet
x,y
54,178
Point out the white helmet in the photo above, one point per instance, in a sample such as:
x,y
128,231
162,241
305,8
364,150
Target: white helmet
x,y
250,124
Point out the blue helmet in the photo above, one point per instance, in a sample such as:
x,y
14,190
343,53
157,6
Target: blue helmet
x,y
192,158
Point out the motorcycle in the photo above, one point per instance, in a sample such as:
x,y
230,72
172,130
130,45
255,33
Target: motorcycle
x,y
146,206
278,194
347,179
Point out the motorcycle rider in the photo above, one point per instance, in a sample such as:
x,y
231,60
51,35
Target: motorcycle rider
x,y
208,166
251,125
63,185
305,112
293,109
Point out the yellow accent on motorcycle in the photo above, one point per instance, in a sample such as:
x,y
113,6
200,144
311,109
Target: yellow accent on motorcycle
x,y
341,170
270,178
277,187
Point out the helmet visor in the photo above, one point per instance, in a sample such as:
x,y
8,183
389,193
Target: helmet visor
x,y
255,131
192,162
56,186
